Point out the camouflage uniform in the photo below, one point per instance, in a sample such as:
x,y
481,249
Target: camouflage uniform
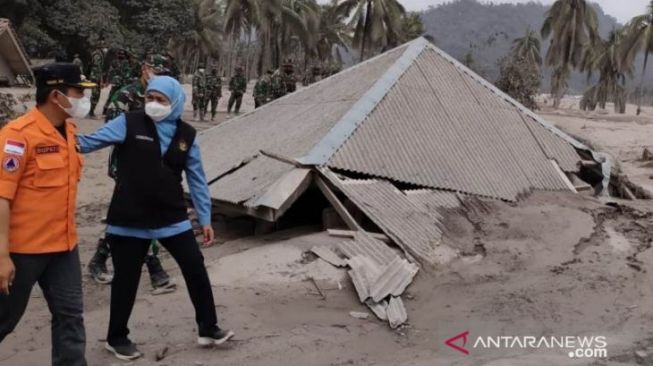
x,y
289,78
277,86
78,61
214,91
200,94
237,87
311,76
120,74
262,90
96,76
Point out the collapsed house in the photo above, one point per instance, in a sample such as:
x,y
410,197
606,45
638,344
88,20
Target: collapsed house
x,y
14,63
398,139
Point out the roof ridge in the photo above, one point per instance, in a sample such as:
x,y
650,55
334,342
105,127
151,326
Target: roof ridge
x,y
355,116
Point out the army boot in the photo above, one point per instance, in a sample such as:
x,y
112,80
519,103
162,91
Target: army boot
x,y
97,267
161,283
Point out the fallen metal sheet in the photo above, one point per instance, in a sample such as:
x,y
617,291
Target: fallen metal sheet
x,y
413,229
394,279
396,312
363,273
328,255
379,309
365,245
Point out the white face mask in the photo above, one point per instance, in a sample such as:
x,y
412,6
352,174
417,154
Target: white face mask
x,y
79,107
157,111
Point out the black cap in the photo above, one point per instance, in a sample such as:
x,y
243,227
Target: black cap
x,y
61,73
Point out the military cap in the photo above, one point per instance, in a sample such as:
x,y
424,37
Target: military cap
x,y
160,64
61,73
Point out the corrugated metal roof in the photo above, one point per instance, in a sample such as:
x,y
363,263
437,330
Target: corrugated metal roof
x,y
364,272
406,224
394,279
433,130
249,182
396,312
293,125
366,245
329,255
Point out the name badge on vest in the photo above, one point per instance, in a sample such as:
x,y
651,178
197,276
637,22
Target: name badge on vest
x,y
51,149
183,146
144,138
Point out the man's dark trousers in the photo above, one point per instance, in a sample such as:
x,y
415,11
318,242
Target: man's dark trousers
x,y
59,276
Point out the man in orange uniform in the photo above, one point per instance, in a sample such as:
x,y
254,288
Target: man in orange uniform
x,y
39,172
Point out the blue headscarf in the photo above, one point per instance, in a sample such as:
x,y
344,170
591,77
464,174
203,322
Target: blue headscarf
x,y
173,91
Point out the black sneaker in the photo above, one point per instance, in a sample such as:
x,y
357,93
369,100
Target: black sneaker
x,y
97,267
126,352
218,338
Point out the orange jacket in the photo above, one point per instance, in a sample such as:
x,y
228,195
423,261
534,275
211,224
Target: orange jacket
x,y
39,174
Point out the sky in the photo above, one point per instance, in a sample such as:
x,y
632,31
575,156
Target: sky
x,y
623,10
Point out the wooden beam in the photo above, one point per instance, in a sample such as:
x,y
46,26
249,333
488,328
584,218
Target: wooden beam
x,y
337,205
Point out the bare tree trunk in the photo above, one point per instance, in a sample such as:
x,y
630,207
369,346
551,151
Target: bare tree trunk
x,y
366,28
641,84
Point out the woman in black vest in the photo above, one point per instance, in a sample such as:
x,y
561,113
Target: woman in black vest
x,y
153,148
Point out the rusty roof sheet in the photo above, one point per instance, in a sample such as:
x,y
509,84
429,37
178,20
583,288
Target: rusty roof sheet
x,y
434,130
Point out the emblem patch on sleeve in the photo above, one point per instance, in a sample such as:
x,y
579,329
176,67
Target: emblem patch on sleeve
x,y
10,164
183,146
14,147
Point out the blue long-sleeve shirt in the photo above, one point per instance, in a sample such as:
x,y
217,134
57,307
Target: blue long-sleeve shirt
x,y
114,132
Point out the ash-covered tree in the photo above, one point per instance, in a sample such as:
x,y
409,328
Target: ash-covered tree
x,y
519,78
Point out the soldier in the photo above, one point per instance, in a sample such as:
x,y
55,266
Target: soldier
x,y
128,99
97,76
262,91
78,61
237,87
277,86
115,77
174,68
289,78
214,91
199,93
131,97
311,76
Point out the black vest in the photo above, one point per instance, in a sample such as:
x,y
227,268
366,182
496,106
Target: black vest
x,y
148,192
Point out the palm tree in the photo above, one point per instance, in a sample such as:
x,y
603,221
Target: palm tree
x,y
528,48
333,33
639,38
240,16
605,58
204,38
376,23
571,24
411,26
